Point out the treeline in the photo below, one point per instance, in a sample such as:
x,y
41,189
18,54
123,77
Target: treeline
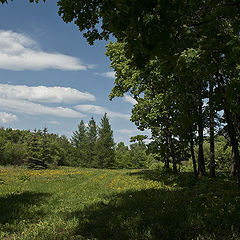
x,y
90,146
182,69
38,149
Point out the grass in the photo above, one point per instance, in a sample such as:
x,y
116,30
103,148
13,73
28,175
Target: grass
x,y
74,203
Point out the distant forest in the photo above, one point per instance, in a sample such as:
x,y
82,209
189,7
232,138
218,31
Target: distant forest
x,y
90,146
93,146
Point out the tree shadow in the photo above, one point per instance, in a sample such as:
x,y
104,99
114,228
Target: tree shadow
x,y
202,212
182,179
20,206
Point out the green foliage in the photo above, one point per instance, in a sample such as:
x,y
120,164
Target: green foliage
x,y
34,159
80,143
122,156
105,145
92,135
223,153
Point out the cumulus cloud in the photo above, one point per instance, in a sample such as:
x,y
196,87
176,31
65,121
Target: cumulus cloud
x,y
44,94
20,52
110,74
7,117
129,99
94,109
30,108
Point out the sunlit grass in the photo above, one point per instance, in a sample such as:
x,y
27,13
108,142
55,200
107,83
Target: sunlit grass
x,y
74,203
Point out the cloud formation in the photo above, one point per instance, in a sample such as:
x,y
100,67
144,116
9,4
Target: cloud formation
x,y
30,108
129,99
44,94
7,117
19,52
54,122
110,74
94,109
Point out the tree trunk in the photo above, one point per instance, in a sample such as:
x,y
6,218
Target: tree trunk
x,y
231,129
201,162
233,171
193,158
166,162
172,150
211,113
233,140
238,123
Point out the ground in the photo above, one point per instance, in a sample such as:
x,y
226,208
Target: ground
x,y
74,203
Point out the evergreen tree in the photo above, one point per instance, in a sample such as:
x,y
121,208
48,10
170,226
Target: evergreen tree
x,y
92,140
34,152
80,144
105,145
47,151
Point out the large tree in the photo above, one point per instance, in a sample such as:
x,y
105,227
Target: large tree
x,y
92,135
105,145
80,143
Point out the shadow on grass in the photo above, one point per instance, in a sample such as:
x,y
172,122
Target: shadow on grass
x,y
186,179
209,210
21,206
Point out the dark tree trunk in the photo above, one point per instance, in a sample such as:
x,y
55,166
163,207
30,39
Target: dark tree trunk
x,y
166,162
238,123
201,162
231,129
193,158
233,140
171,146
212,151
233,171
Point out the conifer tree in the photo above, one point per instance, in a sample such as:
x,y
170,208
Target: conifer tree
x,y
47,153
105,144
92,140
34,152
80,144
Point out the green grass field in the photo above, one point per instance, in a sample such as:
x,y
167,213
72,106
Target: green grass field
x,y
72,203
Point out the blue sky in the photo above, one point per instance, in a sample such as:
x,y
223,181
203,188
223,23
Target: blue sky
x,y
50,76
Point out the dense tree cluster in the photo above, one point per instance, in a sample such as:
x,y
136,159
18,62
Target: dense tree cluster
x,y
37,149
180,60
93,145
90,146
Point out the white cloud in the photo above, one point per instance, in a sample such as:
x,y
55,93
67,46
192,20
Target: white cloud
x,y
7,117
129,99
110,74
30,108
20,52
44,94
94,109
54,122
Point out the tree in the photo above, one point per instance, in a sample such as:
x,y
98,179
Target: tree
x,y
92,141
34,160
80,144
48,151
122,156
105,145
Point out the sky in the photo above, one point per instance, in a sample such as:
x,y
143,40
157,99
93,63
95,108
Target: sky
x,y
50,76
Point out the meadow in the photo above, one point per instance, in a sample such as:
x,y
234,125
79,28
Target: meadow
x,y
74,203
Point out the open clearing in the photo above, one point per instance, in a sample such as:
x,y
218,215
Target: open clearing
x,y
74,203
